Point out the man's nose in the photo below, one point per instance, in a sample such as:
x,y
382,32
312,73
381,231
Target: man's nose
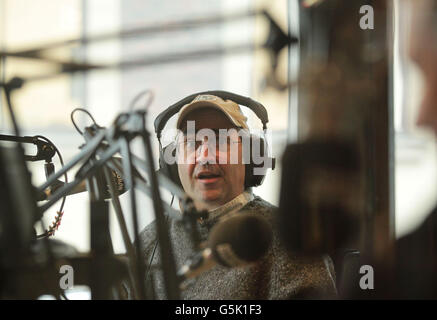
x,y
206,154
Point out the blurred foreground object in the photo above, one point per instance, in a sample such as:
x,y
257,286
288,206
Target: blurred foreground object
x,y
319,206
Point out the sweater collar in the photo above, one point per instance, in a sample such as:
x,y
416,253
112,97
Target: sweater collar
x,y
230,207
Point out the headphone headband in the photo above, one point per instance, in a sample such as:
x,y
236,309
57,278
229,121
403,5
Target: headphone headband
x,y
253,105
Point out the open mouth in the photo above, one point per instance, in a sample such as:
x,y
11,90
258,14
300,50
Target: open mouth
x,y
207,176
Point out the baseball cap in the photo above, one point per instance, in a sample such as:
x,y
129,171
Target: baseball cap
x,y
228,107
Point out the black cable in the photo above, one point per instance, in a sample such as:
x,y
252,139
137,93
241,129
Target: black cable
x,y
139,96
130,184
7,91
46,234
61,160
154,247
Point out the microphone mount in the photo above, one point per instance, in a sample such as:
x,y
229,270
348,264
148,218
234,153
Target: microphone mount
x,y
45,150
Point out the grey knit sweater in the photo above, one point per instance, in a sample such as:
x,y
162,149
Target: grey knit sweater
x,y
279,275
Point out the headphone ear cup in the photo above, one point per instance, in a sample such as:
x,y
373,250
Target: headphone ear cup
x,y
254,180
169,170
248,180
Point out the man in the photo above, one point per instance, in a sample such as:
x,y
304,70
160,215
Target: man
x,y
218,184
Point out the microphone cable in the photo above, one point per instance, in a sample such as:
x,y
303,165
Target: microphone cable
x,y
155,245
74,122
147,92
55,225
57,221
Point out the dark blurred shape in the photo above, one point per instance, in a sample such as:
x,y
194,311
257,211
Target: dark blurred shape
x,y
18,211
344,92
347,265
319,201
276,40
416,262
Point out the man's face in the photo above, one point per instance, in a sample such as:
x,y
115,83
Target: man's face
x,y
202,172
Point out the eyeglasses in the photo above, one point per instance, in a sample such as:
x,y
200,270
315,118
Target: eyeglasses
x,y
220,144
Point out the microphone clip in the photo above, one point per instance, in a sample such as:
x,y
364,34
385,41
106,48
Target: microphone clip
x,y
45,150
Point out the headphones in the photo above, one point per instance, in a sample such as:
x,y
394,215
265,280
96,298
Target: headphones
x,y
251,180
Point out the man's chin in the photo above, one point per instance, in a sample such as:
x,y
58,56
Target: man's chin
x,y
210,196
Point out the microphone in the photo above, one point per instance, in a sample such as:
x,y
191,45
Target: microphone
x,y
120,186
236,241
